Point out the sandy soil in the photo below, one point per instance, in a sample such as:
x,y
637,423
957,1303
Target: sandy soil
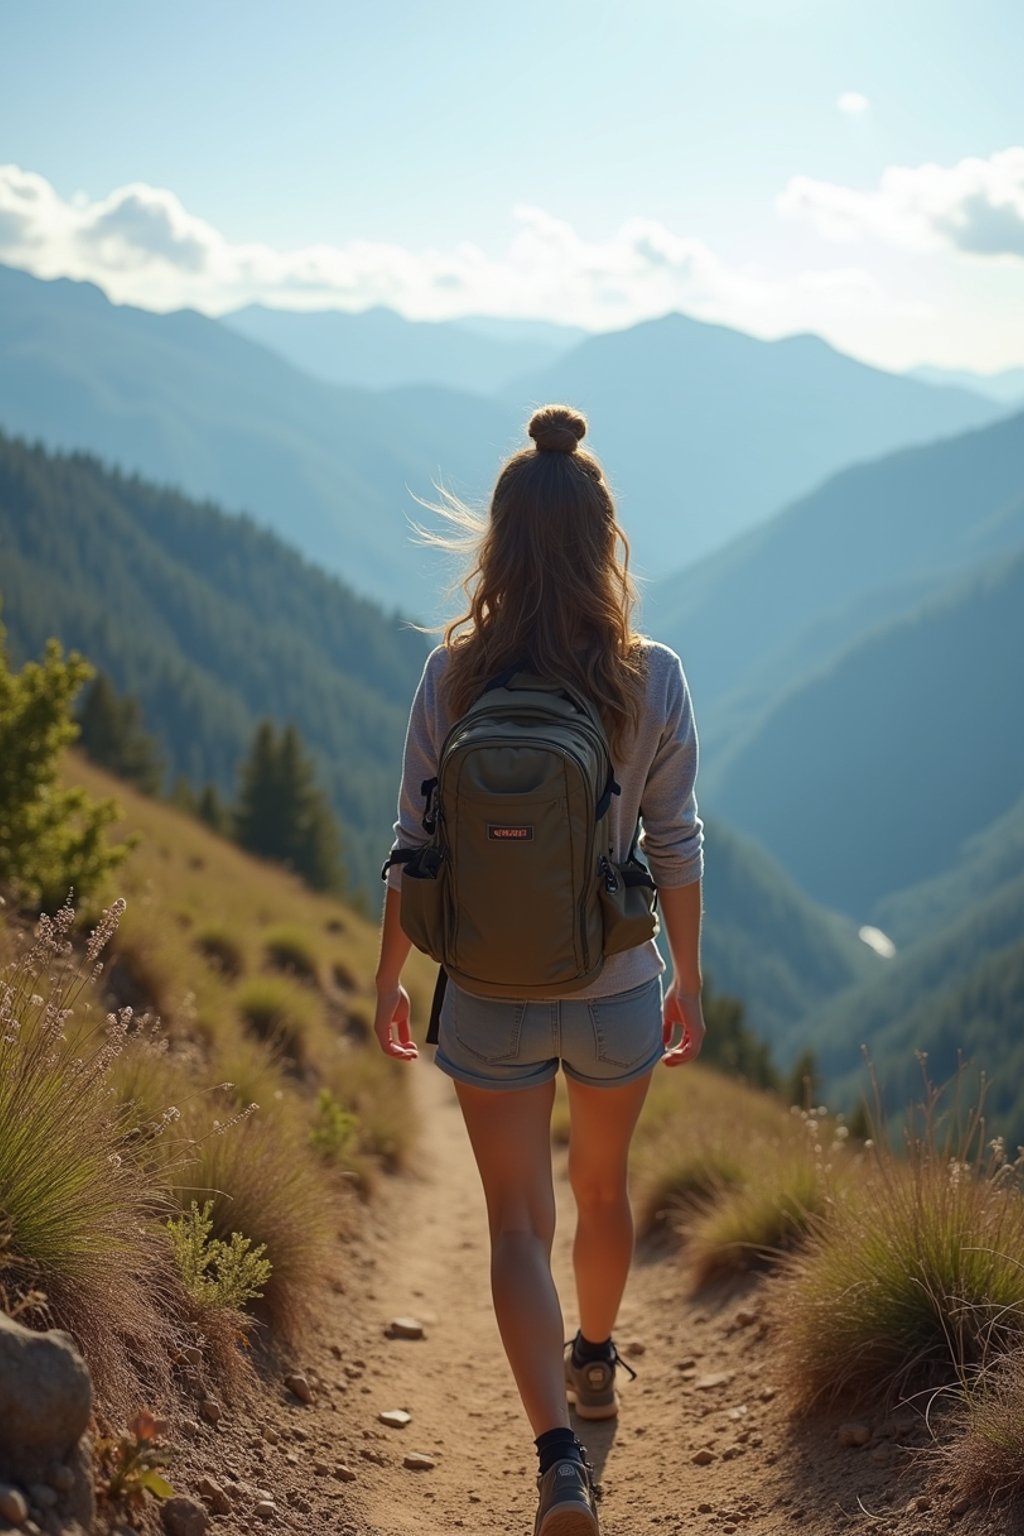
x,y
706,1383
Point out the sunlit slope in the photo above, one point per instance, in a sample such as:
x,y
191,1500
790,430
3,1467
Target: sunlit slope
x,y
267,978
214,624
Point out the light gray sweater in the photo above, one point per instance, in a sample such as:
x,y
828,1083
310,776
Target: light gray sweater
x,y
656,777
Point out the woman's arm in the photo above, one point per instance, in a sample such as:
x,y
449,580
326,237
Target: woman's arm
x,y
681,911
391,1020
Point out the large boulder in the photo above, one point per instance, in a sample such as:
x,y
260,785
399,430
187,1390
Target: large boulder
x,y
45,1404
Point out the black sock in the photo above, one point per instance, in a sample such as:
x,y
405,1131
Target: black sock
x,y
557,1445
584,1351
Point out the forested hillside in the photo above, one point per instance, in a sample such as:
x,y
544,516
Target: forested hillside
x,y
868,546
767,943
213,623
185,400
869,777
955,994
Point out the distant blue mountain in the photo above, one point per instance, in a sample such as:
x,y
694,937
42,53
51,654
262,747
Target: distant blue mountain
x,y
701,428
707,431
380,349
1006,387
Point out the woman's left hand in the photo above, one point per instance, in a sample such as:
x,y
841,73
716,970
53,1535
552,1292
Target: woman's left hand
x,y
391,1023
683,1011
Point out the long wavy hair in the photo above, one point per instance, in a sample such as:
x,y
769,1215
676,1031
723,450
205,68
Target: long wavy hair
x,y
548,584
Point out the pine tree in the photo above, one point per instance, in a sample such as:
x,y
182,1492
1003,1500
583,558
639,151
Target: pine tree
x,y
213,811
803,1085
111,733
258,820
282,814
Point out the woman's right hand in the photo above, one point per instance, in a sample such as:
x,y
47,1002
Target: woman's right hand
x,y
391,1023
683,1011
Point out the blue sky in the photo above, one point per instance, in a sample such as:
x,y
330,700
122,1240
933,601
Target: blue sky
x,y
588,161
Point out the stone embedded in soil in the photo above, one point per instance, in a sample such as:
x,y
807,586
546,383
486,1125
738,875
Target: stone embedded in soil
x,y
416,1461
266,1509
395,1418
636,1349
215,1496
184,1517
767,1393
344,1474
404,1328
703,1458
211,1410
745,1317
299,1387
13,1507
853,1434
713,1379
270,1434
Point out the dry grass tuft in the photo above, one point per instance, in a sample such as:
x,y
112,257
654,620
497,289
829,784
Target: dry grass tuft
x,y
917,1276
289,950
224,948
985,1456
755,1223
279,1013
78,1210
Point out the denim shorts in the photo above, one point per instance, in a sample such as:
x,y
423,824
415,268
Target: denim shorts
x,y
603,1041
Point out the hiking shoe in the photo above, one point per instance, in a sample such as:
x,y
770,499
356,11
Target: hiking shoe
x,y
566,1506
591,1387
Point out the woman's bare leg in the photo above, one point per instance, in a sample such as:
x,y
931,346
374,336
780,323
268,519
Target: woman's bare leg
x,y
510,1133
602,1125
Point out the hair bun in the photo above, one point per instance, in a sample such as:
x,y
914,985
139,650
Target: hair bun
x,y
557,429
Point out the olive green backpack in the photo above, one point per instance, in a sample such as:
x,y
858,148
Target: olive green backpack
x,y
516,894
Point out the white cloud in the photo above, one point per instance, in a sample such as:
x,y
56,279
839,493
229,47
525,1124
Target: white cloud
x,y
142,246
976,206
853,103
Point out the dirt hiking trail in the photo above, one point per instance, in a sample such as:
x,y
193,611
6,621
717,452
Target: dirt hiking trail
x,y
703,1442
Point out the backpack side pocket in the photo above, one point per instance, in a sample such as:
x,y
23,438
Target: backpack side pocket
x,y
424,901
628,899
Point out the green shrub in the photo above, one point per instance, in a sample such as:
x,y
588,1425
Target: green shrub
x,y
216,1273
53,839
223,947
263,1181
335,1130
288,950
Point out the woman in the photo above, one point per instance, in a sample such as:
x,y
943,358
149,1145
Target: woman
x,y
550,588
